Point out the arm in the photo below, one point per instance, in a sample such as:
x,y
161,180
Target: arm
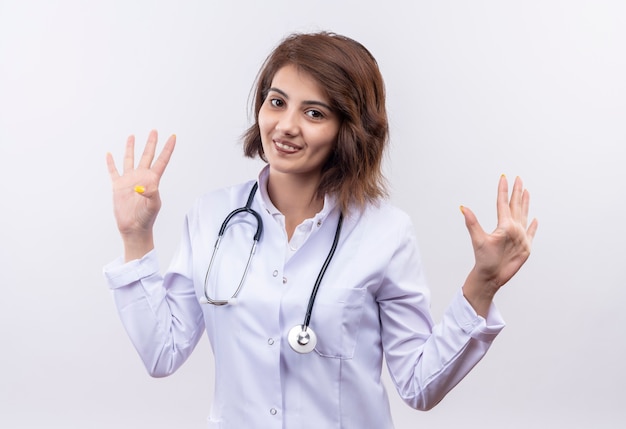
x,y
161,314
499,255
424,373
425,360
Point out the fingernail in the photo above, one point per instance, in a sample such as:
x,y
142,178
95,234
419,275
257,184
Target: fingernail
x,y
140,189
462,209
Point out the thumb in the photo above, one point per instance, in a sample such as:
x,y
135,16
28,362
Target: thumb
x,y
473,227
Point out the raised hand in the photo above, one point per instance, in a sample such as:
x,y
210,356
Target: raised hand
x,y
136,200
499,255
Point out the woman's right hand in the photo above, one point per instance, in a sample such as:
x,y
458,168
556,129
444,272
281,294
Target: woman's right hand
x,y
136,200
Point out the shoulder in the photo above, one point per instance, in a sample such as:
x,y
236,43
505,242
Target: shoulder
x,y
222,200
382,213
382,223
383,235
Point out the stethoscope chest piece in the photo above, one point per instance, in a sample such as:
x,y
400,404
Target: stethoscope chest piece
x,y
302,339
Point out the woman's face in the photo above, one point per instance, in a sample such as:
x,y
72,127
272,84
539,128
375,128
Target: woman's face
x,y
298,127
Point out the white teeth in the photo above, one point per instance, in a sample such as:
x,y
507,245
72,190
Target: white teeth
x,y
286,147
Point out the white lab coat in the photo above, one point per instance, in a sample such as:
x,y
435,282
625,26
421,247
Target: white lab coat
x,y
373,301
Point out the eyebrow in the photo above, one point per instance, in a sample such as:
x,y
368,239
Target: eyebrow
x,y
308,102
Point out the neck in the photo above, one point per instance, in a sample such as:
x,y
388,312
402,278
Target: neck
x,y
295,197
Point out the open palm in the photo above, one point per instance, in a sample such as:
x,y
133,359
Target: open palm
x,y
136,200
500,254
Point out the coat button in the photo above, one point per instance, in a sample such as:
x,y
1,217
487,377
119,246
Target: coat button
x,y
275,273
270,341
273,411
284,280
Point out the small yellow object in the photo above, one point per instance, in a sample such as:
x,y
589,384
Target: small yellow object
x,y
140,189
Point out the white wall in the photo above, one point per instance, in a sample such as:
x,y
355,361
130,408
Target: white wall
x,y
475,89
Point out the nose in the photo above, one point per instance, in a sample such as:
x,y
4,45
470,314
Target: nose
x,y
288,122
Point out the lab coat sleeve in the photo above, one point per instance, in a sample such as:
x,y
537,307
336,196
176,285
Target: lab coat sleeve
x,y
425,360
160,313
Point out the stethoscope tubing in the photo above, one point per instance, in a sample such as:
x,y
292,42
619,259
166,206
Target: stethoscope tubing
x,y
320,276
301,338
256,238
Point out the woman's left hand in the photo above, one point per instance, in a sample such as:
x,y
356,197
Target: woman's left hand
x,y
499,255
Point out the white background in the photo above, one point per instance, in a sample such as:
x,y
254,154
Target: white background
x,y
475,89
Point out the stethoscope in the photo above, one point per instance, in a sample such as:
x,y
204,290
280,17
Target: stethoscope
x,y
301,338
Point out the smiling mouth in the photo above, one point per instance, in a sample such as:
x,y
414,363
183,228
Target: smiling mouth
x,y
283,147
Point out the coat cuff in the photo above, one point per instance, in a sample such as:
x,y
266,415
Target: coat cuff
x,y
474,325
119,273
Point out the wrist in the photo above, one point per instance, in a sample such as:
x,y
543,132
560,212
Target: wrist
x,y
479,291
137,245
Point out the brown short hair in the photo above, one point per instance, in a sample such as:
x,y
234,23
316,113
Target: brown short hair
x,y
349,75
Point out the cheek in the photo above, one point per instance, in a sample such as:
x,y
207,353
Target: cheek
x,y
264,123
331,137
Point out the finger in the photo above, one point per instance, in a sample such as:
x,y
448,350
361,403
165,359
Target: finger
x,y
515,204
111,167
476,232
525,207
532,229
129,154
164,157
502,203
149,150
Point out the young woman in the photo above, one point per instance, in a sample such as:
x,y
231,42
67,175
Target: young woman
x,y
316,276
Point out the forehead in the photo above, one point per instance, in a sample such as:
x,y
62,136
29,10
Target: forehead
x,y
293,80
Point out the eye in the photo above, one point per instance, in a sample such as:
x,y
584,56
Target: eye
x,y
276,102
314,114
